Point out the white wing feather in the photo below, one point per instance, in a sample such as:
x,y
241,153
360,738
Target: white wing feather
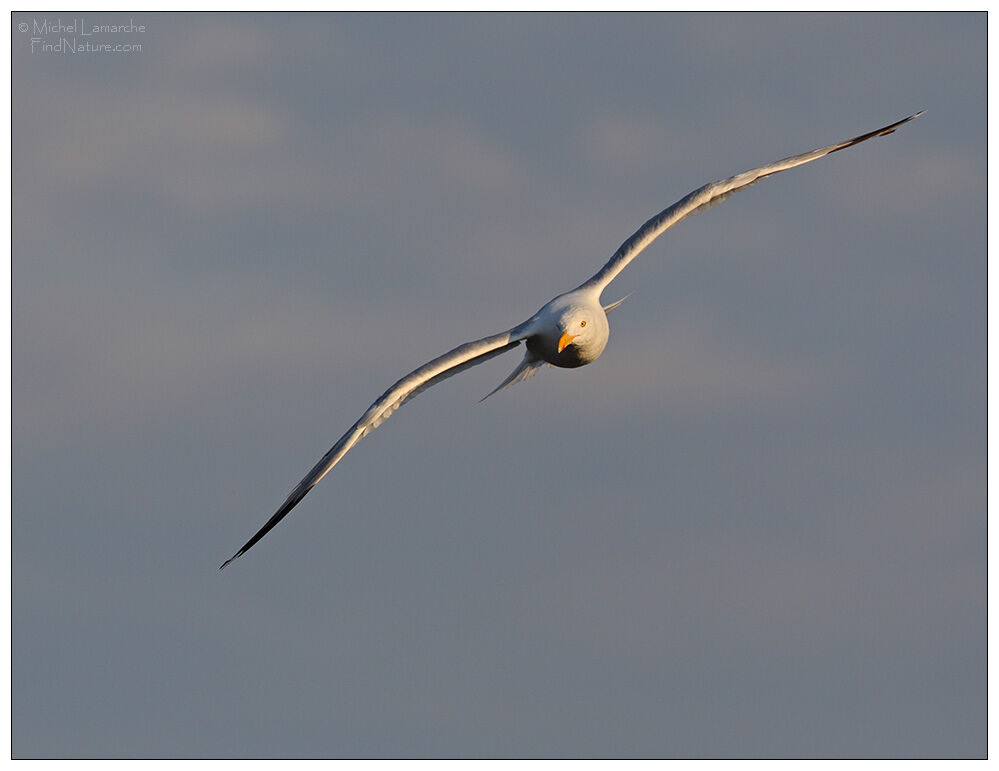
x,y
417,381
711,194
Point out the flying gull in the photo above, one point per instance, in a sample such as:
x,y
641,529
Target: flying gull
x,y
569,331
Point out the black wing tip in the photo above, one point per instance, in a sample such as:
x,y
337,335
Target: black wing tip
x,y
911,117
890,129
881,132
906,120
280,514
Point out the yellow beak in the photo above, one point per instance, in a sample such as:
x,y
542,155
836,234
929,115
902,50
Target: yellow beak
x,y
565,340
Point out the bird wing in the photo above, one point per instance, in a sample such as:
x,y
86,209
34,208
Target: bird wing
x,y
417,381
711,194
527,368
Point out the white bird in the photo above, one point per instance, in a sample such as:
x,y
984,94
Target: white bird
x,y
569,331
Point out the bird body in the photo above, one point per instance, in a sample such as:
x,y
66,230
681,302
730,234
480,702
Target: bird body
x,y
569,331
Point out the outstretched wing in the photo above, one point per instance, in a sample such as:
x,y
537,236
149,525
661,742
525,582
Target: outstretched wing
x,y
527,368
711,194
451,363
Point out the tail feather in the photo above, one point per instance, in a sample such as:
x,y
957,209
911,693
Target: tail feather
x,y
612,306
528,366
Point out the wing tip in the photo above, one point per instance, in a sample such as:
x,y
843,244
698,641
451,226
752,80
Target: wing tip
x,y
906,120
233,558
890,129
496,390
881,132
912,117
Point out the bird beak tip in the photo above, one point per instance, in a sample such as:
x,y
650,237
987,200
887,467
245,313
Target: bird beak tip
x,y
564,341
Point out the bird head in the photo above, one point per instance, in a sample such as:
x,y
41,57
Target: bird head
x,y
575,328
580,335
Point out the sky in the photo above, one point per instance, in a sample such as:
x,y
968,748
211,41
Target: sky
x,y
755,527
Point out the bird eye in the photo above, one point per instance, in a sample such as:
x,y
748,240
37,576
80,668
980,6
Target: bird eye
x,y
582,323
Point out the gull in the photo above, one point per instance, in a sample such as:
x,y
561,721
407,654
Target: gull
x,y
570,330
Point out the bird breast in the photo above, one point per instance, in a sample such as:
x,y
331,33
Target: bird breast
x,y
576,354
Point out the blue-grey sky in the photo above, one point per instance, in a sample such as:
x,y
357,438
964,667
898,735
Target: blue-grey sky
x,y
754,527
